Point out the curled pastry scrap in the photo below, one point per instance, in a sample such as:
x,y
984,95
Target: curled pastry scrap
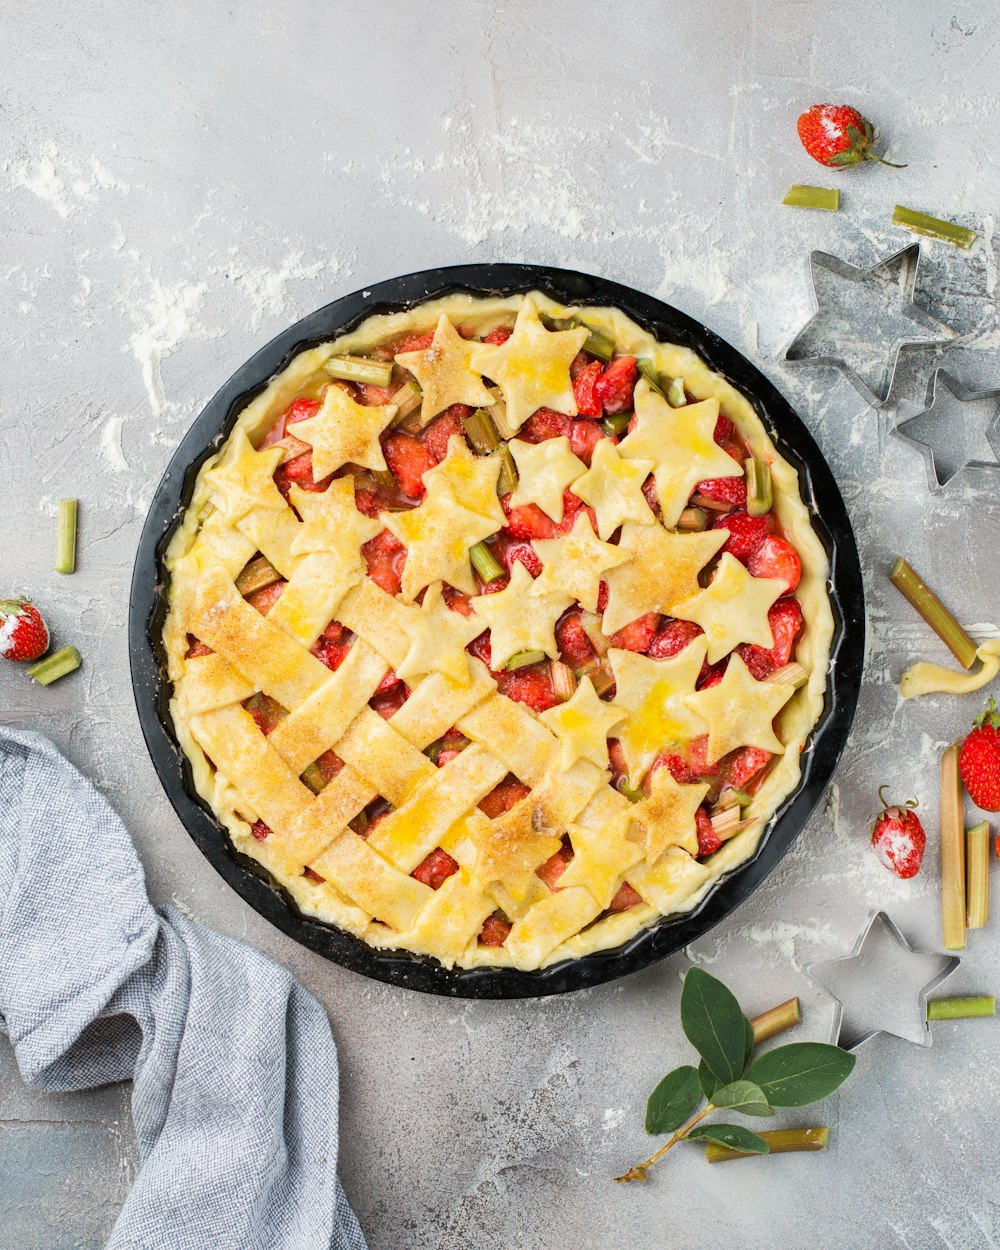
x,y
923,678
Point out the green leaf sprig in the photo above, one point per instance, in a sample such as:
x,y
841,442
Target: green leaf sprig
x,y
730,1078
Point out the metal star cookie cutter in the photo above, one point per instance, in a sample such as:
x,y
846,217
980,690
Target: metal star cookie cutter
x,y
865,344
882,986
955,454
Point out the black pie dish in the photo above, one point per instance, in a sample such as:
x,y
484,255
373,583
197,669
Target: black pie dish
x,y
819,758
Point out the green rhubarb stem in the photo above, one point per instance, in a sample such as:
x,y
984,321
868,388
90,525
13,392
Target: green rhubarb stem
x,y
933,227
599,345
801,195
779,1141
481,432
507,479
962,1008
485,563
617,424
638,1173
759,495
260,572
676,397
952,852
521,659
779,1018
360,369
407,400
977,876
54,666
920,596
648,370
66,539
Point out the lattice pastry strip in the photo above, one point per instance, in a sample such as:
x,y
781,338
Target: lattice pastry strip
x,y
449,923
210,682
360,872
273,534
551,921
672,879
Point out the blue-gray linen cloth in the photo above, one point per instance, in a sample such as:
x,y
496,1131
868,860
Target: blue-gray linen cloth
x,y
234,1066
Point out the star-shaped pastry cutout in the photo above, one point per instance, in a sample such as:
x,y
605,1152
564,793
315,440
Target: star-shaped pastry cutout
x,y
582,726
733,608
532,367
345,432
444,372
663,570
438,638
576,563
680,443
244,479
613,488
864,319
601,857
544,471
905,978
467,481
520,617
512,846
654,693
331,522
437,536
667,816
958,429
739,711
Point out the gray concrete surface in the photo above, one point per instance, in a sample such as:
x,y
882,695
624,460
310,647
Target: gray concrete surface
x,y
179,182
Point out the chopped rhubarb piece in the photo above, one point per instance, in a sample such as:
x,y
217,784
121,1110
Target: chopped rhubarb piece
x,y
584,435
267,713
555,866
637,635
260,830
625,898
585,390
615,385
504,796
264,600
499,336
385,556
408,459
729,490
708,840
496,927
671,639
529,521
445,426
743,765
785,619
531,686
746,533
387,704
777,558
435,869
543,424
574,644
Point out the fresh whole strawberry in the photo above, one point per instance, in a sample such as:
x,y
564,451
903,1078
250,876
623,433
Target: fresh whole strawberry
x,y
979,761
23,633
898,838
838,136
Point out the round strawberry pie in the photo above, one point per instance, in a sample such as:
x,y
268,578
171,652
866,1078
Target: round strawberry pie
x,y
496,630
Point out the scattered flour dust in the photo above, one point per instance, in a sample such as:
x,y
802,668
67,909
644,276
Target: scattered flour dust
x,y
166,320
62,182
111,445
266,289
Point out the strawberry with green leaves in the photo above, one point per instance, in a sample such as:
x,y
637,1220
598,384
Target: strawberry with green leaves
x,y
838,136
23,633
979,761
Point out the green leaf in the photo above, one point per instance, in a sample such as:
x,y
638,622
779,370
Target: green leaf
x,y
804,1072
709,1084
673,1101
732,1135
715,1026
742,1096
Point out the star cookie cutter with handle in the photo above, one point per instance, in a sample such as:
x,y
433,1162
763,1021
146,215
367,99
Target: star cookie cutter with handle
x,y
949,437
864,320
882,985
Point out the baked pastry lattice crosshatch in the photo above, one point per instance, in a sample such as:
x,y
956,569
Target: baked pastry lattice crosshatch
x,y
516,680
